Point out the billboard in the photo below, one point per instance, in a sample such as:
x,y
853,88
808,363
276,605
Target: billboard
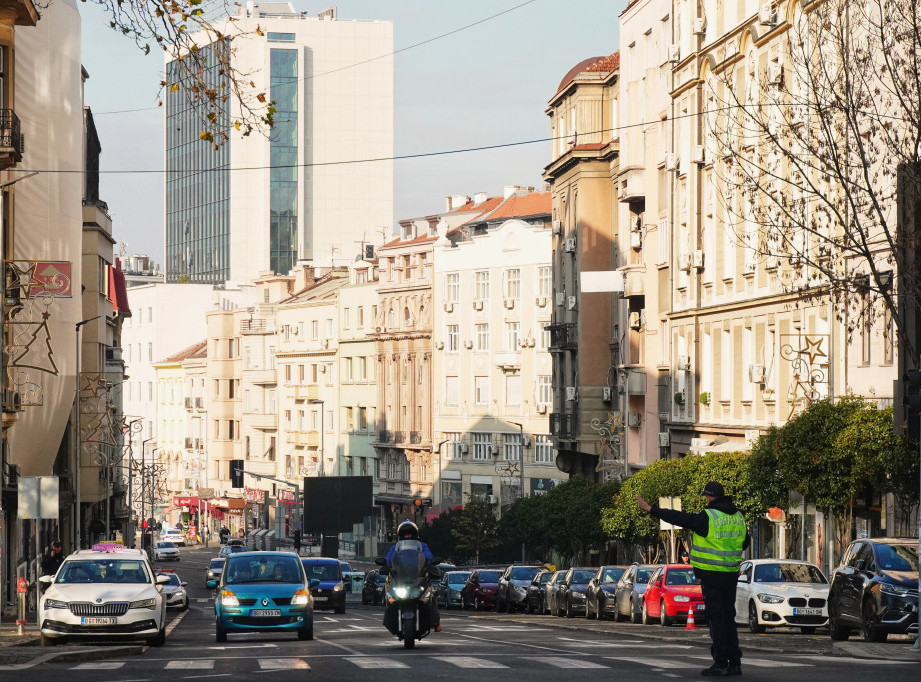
x,y
333,503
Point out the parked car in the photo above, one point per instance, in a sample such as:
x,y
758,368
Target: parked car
x,y
263,592
174,536
174,590
512,588
373,590
214,568
479,591
329,591
570,595
536,591
107,592
165,551
448,589
875,588
549,604
774,592
672,592
346,575
599,594
229,549
628,595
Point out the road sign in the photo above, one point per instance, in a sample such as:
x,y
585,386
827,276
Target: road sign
x,y
38,497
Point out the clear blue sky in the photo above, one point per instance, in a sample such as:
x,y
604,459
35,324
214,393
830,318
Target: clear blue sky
x,y
485,85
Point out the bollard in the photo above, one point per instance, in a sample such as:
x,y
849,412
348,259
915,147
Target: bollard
x,y
21,587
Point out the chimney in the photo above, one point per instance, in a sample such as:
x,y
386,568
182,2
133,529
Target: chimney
x,y
303,276
456,201
479,198
512,189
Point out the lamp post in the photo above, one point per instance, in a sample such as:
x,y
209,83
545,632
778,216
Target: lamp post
x,y
78,523
521,490
440,496
322,405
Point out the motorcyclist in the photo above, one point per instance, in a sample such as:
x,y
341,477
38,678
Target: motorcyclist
x,y
410,531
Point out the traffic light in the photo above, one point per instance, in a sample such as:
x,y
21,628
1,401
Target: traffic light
x,y
911,398
236,473
422,503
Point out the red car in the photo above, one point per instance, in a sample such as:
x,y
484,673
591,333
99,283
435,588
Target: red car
x,y
672,591
480,590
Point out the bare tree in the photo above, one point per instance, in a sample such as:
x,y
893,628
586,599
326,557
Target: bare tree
x,y
815,139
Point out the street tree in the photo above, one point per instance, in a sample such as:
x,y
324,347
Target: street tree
x,y
526,523
573,514
476,527
439,537
814,135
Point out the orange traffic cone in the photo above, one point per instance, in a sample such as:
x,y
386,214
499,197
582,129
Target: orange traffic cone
x,y
690,624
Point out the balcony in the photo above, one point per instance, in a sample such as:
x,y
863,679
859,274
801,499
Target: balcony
x,y
507,361
257,326
260,376
632,185
415,437
385,436
308,392
399,436
263,421
12,142
310,439
563,336
563,425
634,280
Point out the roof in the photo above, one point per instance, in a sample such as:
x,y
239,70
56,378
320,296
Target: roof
x,y
532,203
320,289
591,65
199,350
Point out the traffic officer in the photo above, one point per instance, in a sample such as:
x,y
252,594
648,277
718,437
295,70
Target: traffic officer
x,y
719,537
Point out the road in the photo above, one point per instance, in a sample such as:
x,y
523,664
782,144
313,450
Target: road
x,y
355,646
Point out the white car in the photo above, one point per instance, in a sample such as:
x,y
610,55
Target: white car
x,y
775,592
173,536
108,591
174,590
164,550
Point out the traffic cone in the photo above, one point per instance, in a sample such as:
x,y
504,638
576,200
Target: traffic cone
x,y
690,624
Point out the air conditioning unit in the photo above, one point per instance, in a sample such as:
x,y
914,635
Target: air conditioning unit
x,y
572,394
635,320
698,259
671,161
698,155
767,15
541,409
636,240
634,419
492,450
439,345
561,298
674,53
606,393
449,307
663,439
571,303
541,301
700,26
461,448
526,442
774,73
569,246
492,499
509,303
684,261
684,362
557,227
756,374
478,305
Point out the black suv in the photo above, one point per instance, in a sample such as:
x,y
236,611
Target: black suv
x,y
512,593
875,588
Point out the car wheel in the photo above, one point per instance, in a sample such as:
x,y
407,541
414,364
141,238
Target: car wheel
x,y
839,632
753,625
185,605
477,606
635,616
305,634
664,620
159,639
807,631
364,600
871,629
220,634
569,613
646,619
48,641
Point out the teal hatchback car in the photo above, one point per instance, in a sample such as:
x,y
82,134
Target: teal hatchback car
x,y
263,592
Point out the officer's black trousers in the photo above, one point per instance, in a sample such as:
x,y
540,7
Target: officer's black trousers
x,y
719,591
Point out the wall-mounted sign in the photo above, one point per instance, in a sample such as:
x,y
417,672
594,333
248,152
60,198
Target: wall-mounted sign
x,y
253,495
286,496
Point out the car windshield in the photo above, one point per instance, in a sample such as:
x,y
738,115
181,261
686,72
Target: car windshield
x,y
523,573
611,575
582,577
788,573
457,578
103,571
680,576
642,575
217,563
322,571
897,557
346,568
165,545
173,579
545,578
271,568
489,576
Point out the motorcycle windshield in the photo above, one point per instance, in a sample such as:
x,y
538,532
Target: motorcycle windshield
x,y
407,562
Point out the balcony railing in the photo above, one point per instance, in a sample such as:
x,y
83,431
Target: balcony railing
x,y
563,425
399,436
12,141
385,436
254,326
415,437
562,336
308,392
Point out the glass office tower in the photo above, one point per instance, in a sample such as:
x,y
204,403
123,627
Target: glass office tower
x,y
283,145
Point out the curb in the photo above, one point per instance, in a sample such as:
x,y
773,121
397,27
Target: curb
x,y
898,652
77,656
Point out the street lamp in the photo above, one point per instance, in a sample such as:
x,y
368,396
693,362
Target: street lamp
x,y
521,491
78,523
322,436
440,496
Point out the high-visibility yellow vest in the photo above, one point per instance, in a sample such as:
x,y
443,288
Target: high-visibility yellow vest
x,y
721,550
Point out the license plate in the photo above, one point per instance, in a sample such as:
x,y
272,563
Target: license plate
x,y
265,612
700,607
320,598
98,621
807,612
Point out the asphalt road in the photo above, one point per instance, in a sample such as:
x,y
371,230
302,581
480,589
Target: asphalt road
x,y
355,646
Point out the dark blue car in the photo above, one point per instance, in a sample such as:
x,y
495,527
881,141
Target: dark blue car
x,y
329,590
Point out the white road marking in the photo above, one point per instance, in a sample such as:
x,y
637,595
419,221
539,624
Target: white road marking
x,y
470,662
191,664
652,663
851,661
371,662
769,663
266,645
622,645
283,664
99,665
572,663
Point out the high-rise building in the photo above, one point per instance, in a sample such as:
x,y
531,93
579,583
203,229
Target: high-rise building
x,y
303,191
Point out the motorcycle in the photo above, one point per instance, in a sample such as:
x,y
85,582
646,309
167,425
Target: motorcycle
x,y
408,592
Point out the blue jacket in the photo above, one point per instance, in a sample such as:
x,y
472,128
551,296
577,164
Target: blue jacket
x,y
425,550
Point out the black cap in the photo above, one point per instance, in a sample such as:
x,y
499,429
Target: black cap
x,y
56,543
714,489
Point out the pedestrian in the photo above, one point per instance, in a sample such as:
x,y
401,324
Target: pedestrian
x,y
719,537
52,561
685,557
297,542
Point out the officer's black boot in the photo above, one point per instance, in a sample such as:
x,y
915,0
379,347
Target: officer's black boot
x,y
718,669
735,667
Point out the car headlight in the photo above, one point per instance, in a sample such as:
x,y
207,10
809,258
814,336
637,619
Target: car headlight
x,y
228,598
300,598
889,588
518,588
578,595
681,598
338,587
55,604
770,598
454,593
143,604
400,592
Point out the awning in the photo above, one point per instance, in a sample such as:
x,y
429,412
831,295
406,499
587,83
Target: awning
x,y
398,499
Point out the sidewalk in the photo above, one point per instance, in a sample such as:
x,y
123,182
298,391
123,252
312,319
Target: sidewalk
x,y
887,651
18,652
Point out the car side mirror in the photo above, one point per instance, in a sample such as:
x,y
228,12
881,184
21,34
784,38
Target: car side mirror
x,y
183,583
743,578
46,579
380,561
314,582
162,580
211,584
860,564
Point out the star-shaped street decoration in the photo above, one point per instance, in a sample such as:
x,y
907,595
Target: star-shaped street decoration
x,y
813,349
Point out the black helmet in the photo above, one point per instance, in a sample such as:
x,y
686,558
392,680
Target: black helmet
x,y
408,531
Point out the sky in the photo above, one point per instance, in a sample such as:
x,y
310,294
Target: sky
x,y
485,85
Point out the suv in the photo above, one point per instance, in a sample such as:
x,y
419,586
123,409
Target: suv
x,y
512,591
875,588
108,591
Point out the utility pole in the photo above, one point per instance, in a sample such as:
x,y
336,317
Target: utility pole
x,y
521,473
78,439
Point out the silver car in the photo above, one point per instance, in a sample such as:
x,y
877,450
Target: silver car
x,y
174,590
165,551
628,595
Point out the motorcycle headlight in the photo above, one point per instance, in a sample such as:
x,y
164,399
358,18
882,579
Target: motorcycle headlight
x,y
415,593
300,598
770,598
889,588
681,598
143,604
55,604
228,598
400,592
338,587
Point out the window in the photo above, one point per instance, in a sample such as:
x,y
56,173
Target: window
x,y
345,318
511,336
513,389
481,289
363,418
481,390
360,322
482,337
150,352
512,288
329,328
287,373
482,446
363,368
512,447
543,450
347,369
452,390
543,339
329,420
279,37
544,390
349,419
315,329
451,338
545,281
452,287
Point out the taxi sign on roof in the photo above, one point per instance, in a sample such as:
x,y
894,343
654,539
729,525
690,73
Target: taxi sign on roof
x,y
108,547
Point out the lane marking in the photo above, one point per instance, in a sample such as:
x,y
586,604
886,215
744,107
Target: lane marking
x,y
174,623
191,664
283,664
656,664
469,662
99,665
574,663
851,661
371,662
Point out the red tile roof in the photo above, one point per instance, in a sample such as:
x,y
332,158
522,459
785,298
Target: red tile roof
x,y
593,147
482,207
591,65
532,203
199,350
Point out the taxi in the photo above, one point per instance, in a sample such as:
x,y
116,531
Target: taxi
x,y
107,592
